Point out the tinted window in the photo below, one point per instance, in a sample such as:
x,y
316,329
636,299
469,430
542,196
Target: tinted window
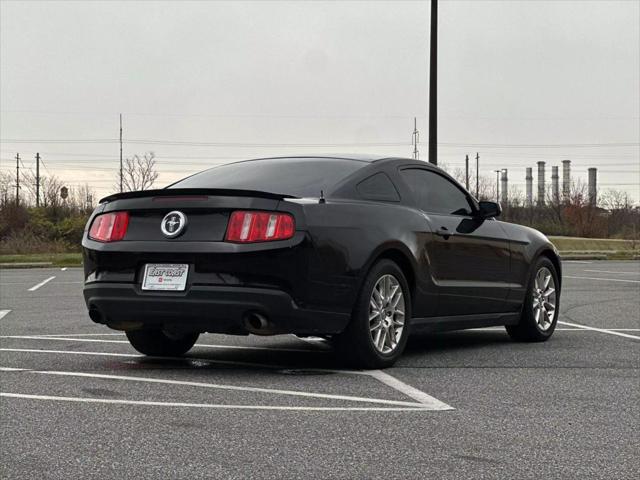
x,y
436,194
378,187
300,177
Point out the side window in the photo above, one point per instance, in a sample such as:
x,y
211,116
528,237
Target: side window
x,y
378,187
435,193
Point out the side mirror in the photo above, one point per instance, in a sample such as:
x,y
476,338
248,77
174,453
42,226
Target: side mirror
x,y
489,209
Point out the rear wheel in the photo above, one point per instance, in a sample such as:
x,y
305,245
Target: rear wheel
x,y
379,327
159,343
541,306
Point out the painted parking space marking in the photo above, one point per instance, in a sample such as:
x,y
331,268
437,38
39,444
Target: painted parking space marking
x,y
186,360
75,335
213,405
611,271
144,357
44,282
4,313
603,279
412,392
326,396
203,345
317,342
424,400
601,330
63,269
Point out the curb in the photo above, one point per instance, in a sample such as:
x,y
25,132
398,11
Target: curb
x,y
22,265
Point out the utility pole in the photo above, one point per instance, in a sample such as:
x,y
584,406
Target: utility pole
x,y
433,85
416,138
37,179
466,169
477,176
497,185
17,179
120,152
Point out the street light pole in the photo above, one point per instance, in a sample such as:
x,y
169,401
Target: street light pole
x,y
433,85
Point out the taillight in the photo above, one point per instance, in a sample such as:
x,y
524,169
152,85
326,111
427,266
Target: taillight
x,y
109,227
248,227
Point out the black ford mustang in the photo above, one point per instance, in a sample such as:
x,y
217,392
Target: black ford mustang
x,y
360,250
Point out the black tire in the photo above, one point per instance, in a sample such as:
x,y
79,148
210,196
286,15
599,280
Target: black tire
x,y
528,329
356,343
157,343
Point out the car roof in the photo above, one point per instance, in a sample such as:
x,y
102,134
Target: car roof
x,y
358,157
367,158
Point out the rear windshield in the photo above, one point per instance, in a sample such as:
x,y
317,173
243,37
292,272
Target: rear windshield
x,y
299,177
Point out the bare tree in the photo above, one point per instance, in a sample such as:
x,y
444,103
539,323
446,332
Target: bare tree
x,y
138,173
83,197
486,185
7,188
50,191
616,200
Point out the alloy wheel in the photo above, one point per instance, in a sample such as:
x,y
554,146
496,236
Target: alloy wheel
x,y
544,299
386,314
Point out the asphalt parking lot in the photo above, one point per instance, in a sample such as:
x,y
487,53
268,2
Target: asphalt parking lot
x,y
78,402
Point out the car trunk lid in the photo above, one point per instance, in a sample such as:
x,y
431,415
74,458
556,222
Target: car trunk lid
x,y
207,211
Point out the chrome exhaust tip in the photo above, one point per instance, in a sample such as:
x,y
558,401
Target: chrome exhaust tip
x,y
257,323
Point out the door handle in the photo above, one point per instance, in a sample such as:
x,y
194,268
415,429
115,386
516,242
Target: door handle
x,y
443,232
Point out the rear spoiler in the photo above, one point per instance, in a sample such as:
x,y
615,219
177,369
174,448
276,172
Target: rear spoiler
x,y
177,192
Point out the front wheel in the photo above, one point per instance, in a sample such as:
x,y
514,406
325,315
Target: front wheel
x,y
379,327
158,343
541,305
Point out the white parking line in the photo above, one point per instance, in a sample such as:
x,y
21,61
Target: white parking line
x,y
423,398
79,334
609,271
294,393
426,401
603,279
4,313
184,359
214,405
63,269
560,329
318,342
44,282
601,330
204,345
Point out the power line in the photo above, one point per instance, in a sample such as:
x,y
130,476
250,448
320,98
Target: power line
x,y
322,116
347,144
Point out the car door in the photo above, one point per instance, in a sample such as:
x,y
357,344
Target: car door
x,y
468,255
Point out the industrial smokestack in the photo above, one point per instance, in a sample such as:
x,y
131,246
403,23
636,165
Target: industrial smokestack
x,y
566,179
541,183
529,182
593,187
555,185
504,187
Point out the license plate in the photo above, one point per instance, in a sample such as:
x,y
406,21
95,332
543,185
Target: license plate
x,y
159,276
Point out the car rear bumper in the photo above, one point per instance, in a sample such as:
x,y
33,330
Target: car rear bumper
x,y
215,309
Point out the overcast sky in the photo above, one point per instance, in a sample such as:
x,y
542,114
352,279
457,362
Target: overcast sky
x,y
263,78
